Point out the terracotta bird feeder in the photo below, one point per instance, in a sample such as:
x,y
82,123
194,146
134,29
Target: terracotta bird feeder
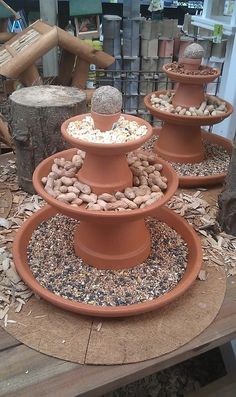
x,y
184,111
112,240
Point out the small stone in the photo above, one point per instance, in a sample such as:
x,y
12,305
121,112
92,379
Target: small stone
x,y
106,100
194,51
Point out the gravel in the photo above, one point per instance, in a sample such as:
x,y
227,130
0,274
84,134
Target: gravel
x,y
122,131
216,160
53,263
203,70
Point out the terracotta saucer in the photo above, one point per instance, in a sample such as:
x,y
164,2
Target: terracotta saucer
x,y
184,120
191,79
165,215
95,239
195,181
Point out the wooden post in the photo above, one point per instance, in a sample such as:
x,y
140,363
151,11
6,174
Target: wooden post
x,y
36,116
80,75
66,67
88,53
227,199
48,13
30,76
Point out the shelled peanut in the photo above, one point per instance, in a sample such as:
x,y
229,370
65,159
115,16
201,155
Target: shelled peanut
x,y
148,184
212,106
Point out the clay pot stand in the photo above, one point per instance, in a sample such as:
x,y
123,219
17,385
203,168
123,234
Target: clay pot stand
x,y
107,239
105,166
173,220
180,140
209,180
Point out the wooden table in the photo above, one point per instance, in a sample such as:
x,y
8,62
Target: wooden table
x,y
25,372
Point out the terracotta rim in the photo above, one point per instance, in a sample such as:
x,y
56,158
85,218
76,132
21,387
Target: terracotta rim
x,y
81,213
186,120
194,181
169,217
108,149
190,79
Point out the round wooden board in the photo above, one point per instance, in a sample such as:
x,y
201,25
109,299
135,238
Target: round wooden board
x,y
87,340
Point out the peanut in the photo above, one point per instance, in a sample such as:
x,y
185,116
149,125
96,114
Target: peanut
x,y
119,195
60,162
82,187
73,189
102,203
129,193
115,205
66,181
109,198
94,207
67,197
77,161
136,181
44,180
130,203
77,201
88,198
141,199
155,188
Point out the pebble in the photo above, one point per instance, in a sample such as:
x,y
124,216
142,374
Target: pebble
x,y
53,263
203,70
122,131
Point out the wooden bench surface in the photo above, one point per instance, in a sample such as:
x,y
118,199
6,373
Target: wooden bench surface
x,y
25,372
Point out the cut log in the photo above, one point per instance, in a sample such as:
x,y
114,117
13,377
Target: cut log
x,y
36,116
227,199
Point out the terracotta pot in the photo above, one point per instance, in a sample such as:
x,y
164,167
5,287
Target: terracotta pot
x,y
190,64
105,166
107,239
180,137
190,90
173,220
209,180
104,122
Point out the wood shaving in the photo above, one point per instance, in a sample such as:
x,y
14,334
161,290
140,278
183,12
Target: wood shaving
x,y
218,247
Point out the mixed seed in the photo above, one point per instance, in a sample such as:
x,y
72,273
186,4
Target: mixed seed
x,y
53,263
216,160
122,131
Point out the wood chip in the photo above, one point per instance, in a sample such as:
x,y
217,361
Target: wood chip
x,y
202,275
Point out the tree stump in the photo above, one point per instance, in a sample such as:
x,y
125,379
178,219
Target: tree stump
x,y
36,116
227,199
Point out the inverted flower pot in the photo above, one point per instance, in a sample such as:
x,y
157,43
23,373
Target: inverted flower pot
x,y
173,220
107,239
190,90
180,138
105,166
